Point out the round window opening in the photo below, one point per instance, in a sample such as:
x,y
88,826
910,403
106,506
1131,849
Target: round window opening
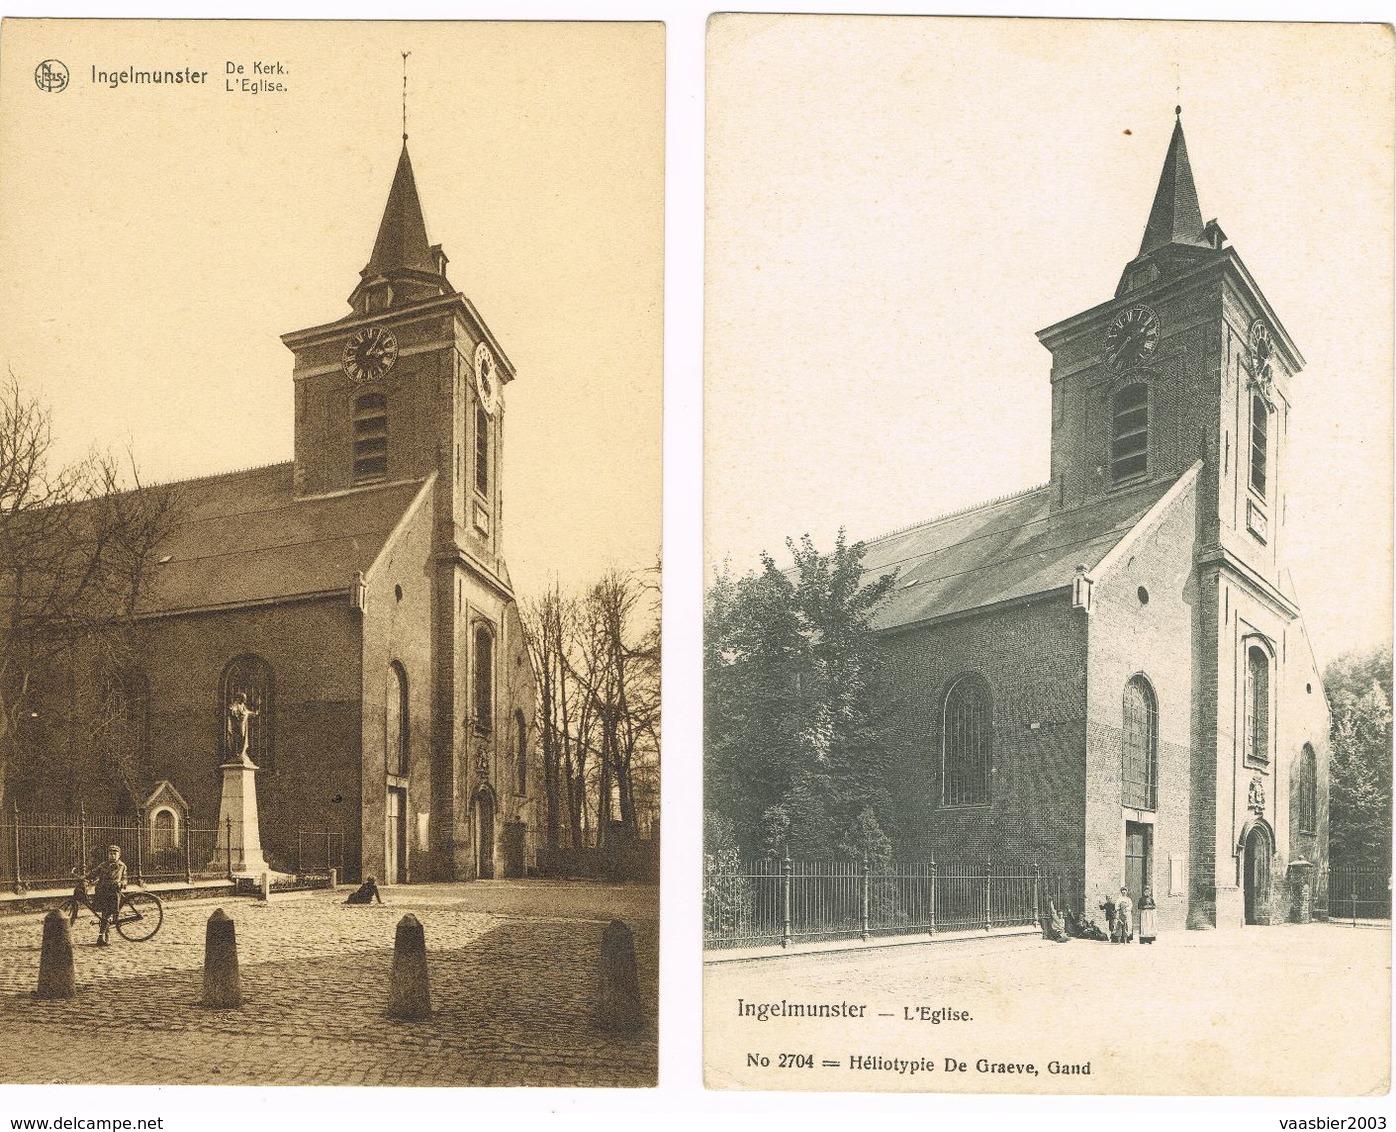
x,y
1143,596
397,592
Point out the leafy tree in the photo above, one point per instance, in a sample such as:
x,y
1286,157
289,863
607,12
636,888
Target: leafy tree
x,y
1359,771
795,754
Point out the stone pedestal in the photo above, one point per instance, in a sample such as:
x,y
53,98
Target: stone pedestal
x,y
237,817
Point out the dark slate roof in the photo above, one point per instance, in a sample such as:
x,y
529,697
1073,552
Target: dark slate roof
x,y
402,234
244,537
1001,550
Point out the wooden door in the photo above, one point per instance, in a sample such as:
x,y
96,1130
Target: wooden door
x,y
396,863
1138,851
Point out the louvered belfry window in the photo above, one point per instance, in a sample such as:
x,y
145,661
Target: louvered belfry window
x,y
1140,745
968,742
1129,433
1260,422
370,438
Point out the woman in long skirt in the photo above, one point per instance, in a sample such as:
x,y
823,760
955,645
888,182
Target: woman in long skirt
x,y
1148,917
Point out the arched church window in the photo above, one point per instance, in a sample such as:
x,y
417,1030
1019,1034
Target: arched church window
x,y
1140,745
484,677
1260,424
396,720
1129,433
1308,790
1256,739
246,711
967,741
521,750
370,438
482,451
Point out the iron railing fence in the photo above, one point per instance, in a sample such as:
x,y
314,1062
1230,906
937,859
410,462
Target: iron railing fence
x,y
779,901
319,851
1353,893
42,850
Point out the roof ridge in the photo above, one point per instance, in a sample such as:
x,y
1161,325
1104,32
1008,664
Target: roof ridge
x,y
956,511
218,475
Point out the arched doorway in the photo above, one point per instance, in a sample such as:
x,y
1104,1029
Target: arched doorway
x,y
484,835
1256,874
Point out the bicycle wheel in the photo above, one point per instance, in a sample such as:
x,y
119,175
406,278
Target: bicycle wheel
x,y
139,915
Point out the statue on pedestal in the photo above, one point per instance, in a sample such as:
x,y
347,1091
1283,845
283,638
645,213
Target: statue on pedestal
x,y
239,728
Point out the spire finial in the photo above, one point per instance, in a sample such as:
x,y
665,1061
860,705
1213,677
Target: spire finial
x,y
405,54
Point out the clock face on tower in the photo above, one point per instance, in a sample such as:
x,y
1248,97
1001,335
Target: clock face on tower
x,y
1132,336
486,379
370,354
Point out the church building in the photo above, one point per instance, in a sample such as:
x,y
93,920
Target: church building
x,y
1108,675
357,598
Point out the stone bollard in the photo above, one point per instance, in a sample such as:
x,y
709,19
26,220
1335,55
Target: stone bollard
x,y
410,996
266,887
619,1007
334,878
56,979
222,985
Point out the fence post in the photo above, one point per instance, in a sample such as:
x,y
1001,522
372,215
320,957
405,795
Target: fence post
x,y
299,870
1354,898
988,903
82,834
188,864
19,884
228,834
932,930
140,831
327,854
867,883
1036,905
787,870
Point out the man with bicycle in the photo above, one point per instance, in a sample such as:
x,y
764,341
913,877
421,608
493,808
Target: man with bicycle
x,y
110,877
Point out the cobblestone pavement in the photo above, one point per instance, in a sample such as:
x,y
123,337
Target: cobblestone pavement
x,y
1284,1010
513,971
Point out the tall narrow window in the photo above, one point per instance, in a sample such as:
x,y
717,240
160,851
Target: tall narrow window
x,y
1308,790
482,451
521,750
484,678
1260,424
396,720
370,438
1257,722
1129,433
968,741
1140,745
246,710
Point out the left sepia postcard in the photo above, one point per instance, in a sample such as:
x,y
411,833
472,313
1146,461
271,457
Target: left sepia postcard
x,y
329,552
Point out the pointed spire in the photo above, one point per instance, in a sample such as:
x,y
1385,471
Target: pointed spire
x,y
402,236
404,267
1175,217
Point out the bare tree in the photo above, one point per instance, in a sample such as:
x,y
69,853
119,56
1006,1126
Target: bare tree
x,y
76,549
597,661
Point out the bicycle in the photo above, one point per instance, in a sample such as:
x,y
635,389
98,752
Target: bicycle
x,y
138,914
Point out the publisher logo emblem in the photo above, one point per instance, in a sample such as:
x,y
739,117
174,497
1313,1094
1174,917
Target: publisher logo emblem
x,y
51,76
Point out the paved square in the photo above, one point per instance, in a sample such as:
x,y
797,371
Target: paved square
x,y
1284,1010
513,969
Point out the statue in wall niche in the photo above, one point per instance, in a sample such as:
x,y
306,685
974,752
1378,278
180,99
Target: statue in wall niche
x,y
239,727
1256,797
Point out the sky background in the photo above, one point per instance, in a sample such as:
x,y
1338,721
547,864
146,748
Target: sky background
x,y
156,241
896,206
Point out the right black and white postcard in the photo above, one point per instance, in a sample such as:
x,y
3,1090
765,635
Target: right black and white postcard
x,y
1047,644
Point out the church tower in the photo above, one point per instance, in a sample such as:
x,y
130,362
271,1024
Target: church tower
x,y
1187,365
408,387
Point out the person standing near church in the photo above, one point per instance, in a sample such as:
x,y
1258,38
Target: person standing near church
x,y
110,878
1124,909
1148,917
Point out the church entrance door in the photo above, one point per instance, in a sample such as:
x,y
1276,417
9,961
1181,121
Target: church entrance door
x,y
1139,846
396,863
1257,875
484,837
